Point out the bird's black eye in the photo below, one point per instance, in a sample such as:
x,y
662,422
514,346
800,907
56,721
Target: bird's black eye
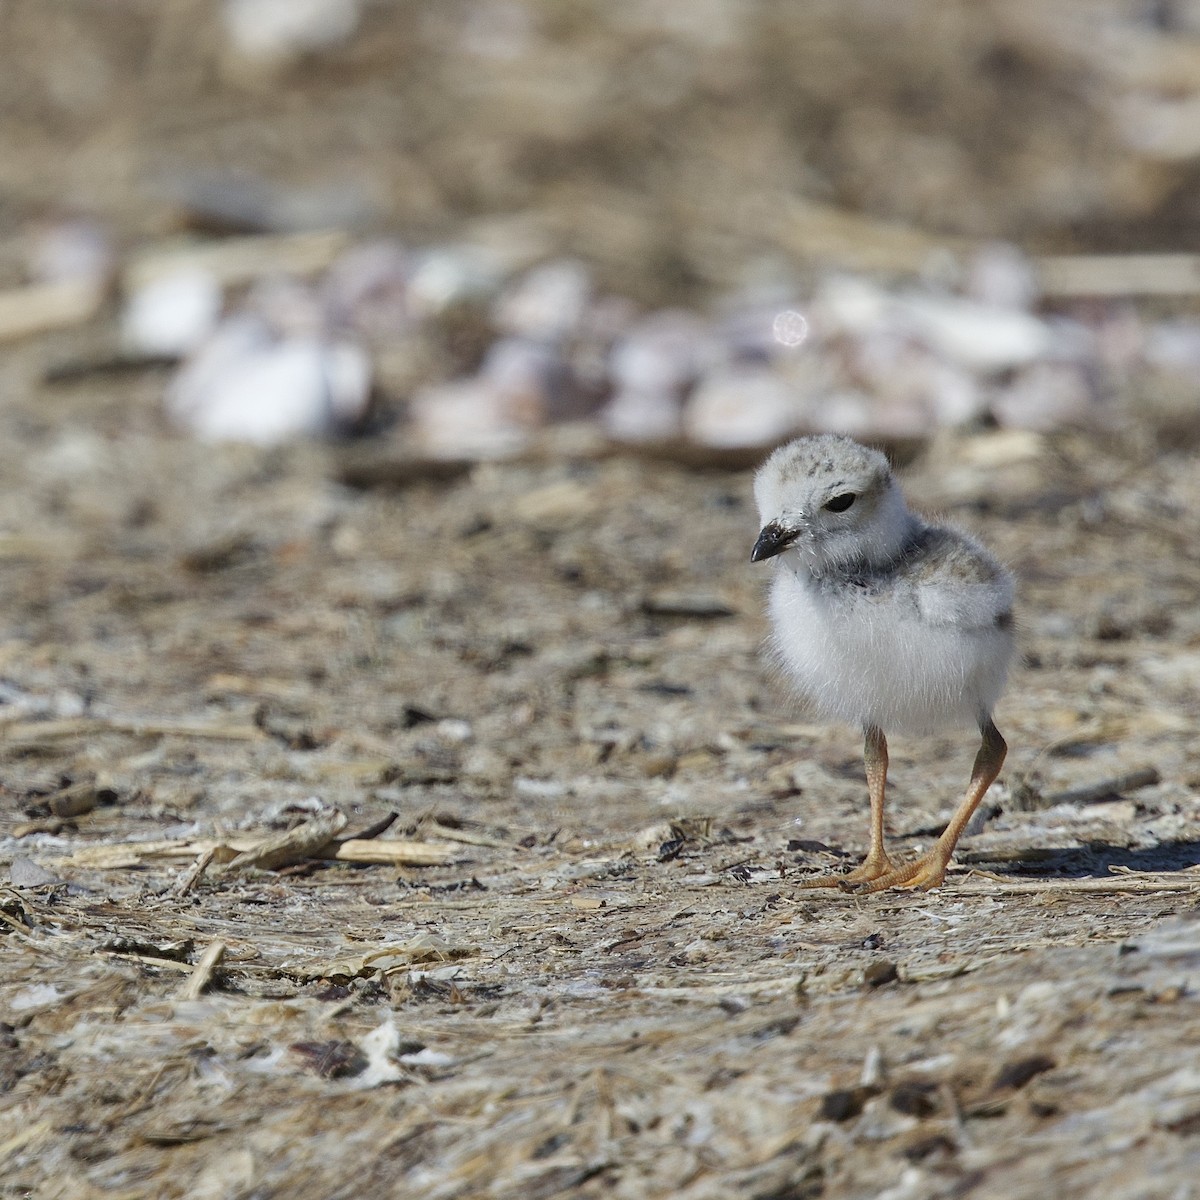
x,y
840,503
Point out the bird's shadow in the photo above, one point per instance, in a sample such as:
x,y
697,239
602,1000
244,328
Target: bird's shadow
x,y
1097,859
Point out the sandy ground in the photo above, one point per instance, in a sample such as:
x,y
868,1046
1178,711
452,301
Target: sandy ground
x,y
611,983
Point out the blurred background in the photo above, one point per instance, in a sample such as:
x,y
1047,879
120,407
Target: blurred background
x,y
714,222
670,142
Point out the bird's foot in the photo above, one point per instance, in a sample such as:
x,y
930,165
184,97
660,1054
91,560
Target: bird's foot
x,y
874,866
928,871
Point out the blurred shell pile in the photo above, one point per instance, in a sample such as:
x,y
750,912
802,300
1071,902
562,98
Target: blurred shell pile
x,y
472,356
827,172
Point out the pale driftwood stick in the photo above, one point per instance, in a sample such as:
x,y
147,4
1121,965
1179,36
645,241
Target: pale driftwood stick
x,y
829,234
23,1136
167,964
1136,884
39,307
120,856
1068,275
465,836
17,546
124,855
202,975
305,841
401,854
234,261
185,729
194,873
32,732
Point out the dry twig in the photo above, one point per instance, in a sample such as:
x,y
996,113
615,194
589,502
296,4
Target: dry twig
x,y
203,973
304,841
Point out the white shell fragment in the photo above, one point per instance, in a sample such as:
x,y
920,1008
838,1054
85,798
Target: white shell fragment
x,y
173,314
444,276
977,336
741,407
848,305
642,417
367,289
467,418
664,353
980,337
651,366
1002,276
277,30
1045,396
246,386
535,381
547,303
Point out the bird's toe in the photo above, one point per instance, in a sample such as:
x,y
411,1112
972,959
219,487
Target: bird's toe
x,y
928,871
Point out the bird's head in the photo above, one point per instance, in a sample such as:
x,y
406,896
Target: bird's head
x,y
829,504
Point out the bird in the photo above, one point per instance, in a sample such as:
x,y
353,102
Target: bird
x,y
883,620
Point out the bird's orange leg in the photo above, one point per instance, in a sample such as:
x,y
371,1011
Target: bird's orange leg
x,y
929,871
877,864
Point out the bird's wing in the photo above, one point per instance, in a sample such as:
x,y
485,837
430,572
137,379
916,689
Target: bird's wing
x,y
959,583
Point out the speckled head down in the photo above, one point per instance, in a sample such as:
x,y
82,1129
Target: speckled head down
x,y
831,500
829,461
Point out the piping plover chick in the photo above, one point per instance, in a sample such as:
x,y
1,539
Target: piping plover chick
x,y
882,620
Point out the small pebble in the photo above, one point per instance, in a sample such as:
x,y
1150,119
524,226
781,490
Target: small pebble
x,y
275,31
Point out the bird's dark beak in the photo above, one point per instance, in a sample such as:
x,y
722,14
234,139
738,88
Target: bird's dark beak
x,y
772,540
